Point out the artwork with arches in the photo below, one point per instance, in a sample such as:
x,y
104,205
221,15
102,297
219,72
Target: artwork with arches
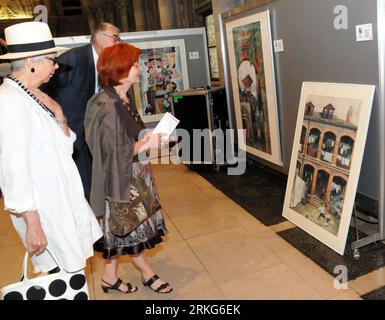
x,y
249,43
329,143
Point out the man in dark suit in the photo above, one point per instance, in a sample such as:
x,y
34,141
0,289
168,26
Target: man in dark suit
x,y
74,84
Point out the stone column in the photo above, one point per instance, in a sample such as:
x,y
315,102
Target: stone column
x,y
184,14
89,11
99,9
167,14
140,15
180,17
122,8
99,15
195,8
109,13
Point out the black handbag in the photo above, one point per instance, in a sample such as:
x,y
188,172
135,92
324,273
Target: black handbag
x,y
126,217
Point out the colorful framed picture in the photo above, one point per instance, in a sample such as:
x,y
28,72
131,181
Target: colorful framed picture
x,y
165,71
253,84
325,166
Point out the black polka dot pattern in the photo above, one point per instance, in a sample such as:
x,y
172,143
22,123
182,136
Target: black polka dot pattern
x,y
77,281
62,287
13,296
57,288
36,293
81,296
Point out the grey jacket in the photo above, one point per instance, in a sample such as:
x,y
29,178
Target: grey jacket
x,y
111,135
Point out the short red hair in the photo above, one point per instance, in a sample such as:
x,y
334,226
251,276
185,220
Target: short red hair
x,y
115,63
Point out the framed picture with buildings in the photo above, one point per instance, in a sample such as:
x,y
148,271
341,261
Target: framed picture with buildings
x,y
325,166
252,77
164,65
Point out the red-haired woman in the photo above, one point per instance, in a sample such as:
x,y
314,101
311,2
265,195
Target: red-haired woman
x,y
112,126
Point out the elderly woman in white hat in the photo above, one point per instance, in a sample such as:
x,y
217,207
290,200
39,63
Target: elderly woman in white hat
x,y
40,183
4,65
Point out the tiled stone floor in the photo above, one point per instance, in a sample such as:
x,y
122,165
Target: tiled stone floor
x,y
372,257
266,204
215,250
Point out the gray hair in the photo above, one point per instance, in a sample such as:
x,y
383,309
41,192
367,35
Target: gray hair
x,y
18,64
101,28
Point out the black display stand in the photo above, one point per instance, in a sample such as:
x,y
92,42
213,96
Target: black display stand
x,y
201,109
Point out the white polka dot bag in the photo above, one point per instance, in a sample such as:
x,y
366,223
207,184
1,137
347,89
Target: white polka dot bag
x,y
57,286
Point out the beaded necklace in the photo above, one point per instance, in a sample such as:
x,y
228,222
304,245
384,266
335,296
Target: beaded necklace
x,y
134,113
22,86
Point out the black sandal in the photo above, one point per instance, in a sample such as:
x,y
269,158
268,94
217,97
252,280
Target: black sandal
x,y
131,288
151,281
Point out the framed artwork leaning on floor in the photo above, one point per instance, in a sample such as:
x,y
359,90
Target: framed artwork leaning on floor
x,y
164,65
329,144
252,77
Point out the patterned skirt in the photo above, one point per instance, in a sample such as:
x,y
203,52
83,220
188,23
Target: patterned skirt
x,y
146,236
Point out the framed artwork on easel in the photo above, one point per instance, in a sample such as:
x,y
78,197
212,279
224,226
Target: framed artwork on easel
x,y
252,76
326,160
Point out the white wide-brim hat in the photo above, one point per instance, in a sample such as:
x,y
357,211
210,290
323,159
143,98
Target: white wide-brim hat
x,y
29,39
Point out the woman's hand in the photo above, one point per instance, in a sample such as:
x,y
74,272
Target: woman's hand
x,y
155,140
150,141
50,103
36,240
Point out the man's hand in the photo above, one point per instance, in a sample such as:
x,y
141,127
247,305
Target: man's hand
x,y
35,237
